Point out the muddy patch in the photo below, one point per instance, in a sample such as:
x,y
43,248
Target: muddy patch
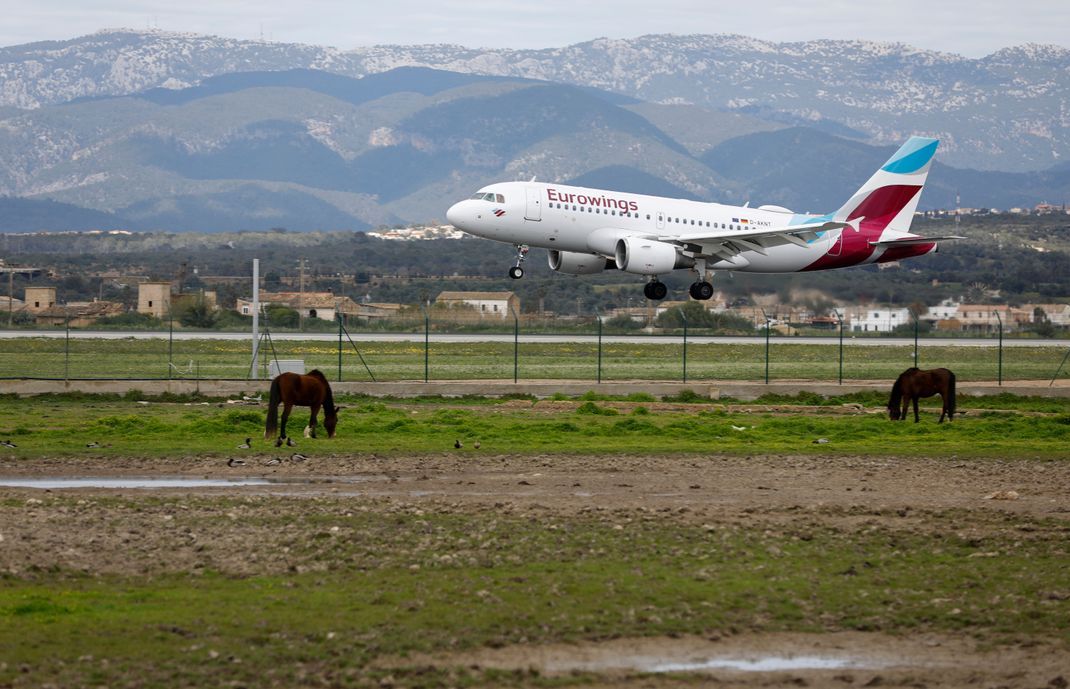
x,y
867,659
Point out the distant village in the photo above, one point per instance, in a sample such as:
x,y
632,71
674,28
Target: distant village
x,y
41,306
159,299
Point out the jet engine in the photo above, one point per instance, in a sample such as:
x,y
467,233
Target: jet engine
x,y
649,256
576,263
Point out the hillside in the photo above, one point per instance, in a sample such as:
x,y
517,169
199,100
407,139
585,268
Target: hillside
x,y
1006,111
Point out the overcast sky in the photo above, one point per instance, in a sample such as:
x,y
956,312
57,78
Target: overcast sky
x,y
969,27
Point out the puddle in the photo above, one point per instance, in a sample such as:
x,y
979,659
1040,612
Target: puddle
x,y
762,664
133,482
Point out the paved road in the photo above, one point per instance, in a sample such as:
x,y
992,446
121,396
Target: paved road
x,y
534,338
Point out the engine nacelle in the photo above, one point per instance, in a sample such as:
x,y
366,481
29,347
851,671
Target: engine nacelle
x,y
649,256
575,263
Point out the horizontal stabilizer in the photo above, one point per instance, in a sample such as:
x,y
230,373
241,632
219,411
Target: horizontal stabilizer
x,y
913,241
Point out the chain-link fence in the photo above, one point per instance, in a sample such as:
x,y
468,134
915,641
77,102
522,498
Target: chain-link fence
x,y
430,350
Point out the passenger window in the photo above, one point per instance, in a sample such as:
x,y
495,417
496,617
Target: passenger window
x,y
613,212
648,216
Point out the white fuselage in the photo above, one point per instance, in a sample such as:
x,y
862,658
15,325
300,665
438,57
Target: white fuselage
x,y
577,219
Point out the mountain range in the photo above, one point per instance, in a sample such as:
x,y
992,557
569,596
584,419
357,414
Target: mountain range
x,y
148,130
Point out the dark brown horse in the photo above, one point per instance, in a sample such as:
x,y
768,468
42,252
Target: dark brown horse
x,y
311,390
914,383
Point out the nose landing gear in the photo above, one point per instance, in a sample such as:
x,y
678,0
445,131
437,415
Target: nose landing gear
x,y
516,272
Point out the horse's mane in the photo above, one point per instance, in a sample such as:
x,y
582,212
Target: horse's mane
x,y
328,398
897,389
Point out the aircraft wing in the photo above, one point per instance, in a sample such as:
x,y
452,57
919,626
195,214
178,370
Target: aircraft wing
x,y
728,243
912,241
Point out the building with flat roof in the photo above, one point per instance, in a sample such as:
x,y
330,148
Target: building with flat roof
x,y
481,304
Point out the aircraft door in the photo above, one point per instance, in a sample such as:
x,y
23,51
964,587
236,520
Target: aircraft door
x,y
534,205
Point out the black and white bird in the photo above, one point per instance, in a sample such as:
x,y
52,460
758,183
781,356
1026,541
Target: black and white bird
x,y
457,444
297,457
7,443
233,462
290,442
246,445
92,444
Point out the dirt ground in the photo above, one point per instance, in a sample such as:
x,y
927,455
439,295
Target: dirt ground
x,y
973,499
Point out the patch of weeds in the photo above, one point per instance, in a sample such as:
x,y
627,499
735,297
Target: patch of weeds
x,y
233,420
127,424
592,408
686,396
632,425
640,411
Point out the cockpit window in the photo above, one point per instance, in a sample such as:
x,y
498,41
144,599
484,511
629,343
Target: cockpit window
x,y
488,196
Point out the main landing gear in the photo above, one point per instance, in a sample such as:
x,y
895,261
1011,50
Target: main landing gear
x,y
701,290
516,272
655,290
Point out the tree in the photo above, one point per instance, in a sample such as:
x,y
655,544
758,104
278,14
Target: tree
x,y
279,316
197,314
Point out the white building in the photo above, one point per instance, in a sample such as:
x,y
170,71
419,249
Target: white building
x,y
482,304
945,310
877,320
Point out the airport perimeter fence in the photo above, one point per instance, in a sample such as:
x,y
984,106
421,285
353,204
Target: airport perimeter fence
x,y
434,351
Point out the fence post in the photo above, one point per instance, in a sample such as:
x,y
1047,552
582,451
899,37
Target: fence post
x,y
599,375
339,315
767,324
67,351
516,346
170,342
840,319
684,317
999,373
427,341
915,317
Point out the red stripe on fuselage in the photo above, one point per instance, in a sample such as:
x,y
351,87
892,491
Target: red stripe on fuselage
x,y
877,210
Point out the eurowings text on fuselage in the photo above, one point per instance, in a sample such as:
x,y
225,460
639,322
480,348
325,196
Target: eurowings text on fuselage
x,y
590,230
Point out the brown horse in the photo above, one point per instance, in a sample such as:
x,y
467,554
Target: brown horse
x,y
914,383
311,390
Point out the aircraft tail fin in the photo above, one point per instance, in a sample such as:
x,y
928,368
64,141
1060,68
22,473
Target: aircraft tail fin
x,y
890,197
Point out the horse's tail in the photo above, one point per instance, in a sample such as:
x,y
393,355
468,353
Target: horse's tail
x,y
273,410
950,394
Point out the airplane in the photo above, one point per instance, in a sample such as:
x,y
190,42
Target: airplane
x,y
591,230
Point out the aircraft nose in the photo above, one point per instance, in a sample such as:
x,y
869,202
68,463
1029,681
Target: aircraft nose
x,y
455,215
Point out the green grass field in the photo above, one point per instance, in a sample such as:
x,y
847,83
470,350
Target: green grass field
x,y
62,425
272,590
55,358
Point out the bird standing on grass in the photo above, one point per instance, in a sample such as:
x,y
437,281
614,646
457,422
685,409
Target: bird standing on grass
x,y
8,443
457,444
476,445
246,445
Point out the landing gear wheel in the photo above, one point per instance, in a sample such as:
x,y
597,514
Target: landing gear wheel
x,y
516,272
655,291
701,290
